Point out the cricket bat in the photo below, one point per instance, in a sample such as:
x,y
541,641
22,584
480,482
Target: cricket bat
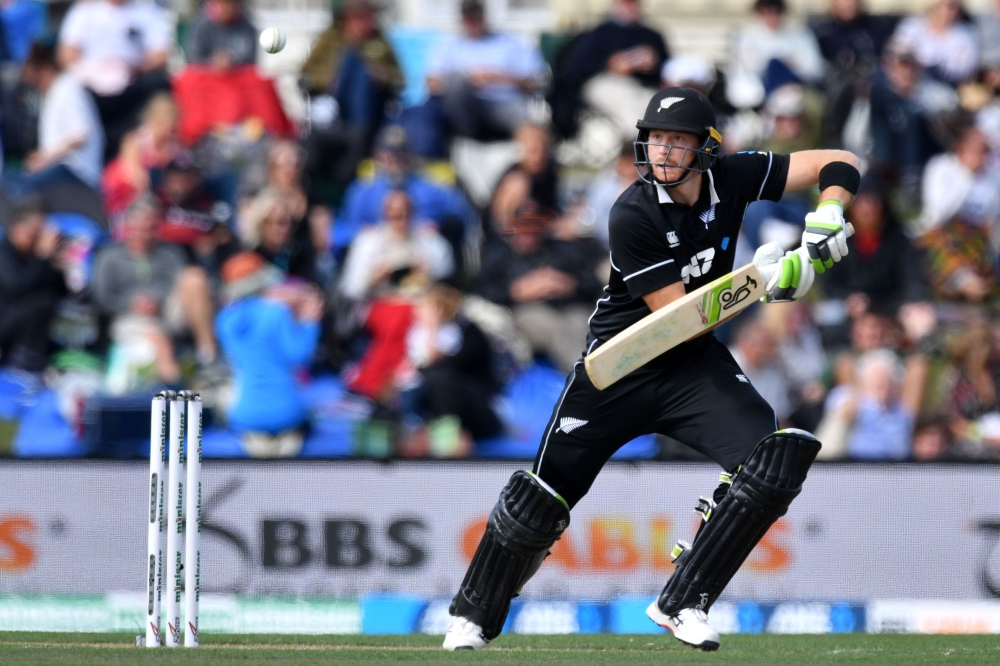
x,y
669,326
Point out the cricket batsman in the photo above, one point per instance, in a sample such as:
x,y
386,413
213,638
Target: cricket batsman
x,y
671,231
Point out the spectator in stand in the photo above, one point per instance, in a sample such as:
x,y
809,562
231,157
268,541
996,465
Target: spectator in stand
x,y
943,42
550,284
756,353
973,405
351,73
903,105
794,117
118,49
454,364
615,68
192,216
222,36
792,122
770,37
228,112
533,176
958,183
446,207
268,331
70,137
698,73
269,227
31,286
850,38
865,331
23,23
688,71
607,187
960,221
987,120
802,360
932,441
143,277
851,41
882,269
353,61
386,266
988,29
311,222
395,253
877,412
145,152
484,80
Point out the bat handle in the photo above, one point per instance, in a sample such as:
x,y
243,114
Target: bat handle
x,y
850,229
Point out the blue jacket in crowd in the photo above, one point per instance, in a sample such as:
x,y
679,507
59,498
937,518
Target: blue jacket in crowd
x,y
265,344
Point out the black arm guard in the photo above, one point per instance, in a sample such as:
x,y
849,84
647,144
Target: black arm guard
x,y
525,523
760,494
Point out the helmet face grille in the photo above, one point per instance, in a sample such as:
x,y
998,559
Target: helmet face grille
x,y
704,157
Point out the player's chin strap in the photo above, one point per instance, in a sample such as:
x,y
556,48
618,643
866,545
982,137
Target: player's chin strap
x,y
760,493
527,520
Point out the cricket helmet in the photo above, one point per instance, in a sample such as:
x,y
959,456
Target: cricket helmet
x,y
679,110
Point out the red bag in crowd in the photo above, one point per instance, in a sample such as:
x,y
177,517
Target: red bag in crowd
x,y
388,321
208,97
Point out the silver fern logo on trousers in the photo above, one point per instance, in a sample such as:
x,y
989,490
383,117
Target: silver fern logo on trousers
x,y
568,424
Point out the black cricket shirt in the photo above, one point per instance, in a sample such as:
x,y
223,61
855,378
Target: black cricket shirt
x,y
656,242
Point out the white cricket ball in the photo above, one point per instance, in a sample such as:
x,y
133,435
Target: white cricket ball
x,y
272,39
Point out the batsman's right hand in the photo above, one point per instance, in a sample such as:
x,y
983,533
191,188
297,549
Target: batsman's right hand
x,y
787,275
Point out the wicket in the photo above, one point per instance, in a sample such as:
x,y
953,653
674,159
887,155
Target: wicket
x,y
184,412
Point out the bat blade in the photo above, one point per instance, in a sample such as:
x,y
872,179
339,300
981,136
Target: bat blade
x,y
669,326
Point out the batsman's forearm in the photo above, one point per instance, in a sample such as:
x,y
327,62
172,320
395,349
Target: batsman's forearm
x,y
804,166
836,193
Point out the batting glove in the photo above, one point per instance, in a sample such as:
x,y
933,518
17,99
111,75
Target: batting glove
x,y
825,237
786,275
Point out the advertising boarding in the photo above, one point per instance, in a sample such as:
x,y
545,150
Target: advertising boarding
x,y
350,529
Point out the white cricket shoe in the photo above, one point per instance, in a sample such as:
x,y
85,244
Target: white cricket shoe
x,y
464,635
689,625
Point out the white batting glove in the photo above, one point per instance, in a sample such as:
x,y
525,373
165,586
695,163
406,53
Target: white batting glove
x,y
825,237
787,275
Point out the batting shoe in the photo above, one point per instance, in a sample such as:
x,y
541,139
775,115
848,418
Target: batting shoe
x,y
689,625
464,635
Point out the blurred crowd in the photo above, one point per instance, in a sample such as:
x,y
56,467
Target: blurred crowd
x,y
165,223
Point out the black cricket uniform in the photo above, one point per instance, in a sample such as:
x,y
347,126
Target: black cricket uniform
x,y
695,393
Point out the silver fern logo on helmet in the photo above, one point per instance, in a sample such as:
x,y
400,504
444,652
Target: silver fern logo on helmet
x,y
669,102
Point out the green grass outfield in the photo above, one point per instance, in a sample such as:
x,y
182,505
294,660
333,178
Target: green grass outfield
x,y
39,649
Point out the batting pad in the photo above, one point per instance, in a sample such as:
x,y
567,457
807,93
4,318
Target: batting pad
x,y
761,492
525,523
